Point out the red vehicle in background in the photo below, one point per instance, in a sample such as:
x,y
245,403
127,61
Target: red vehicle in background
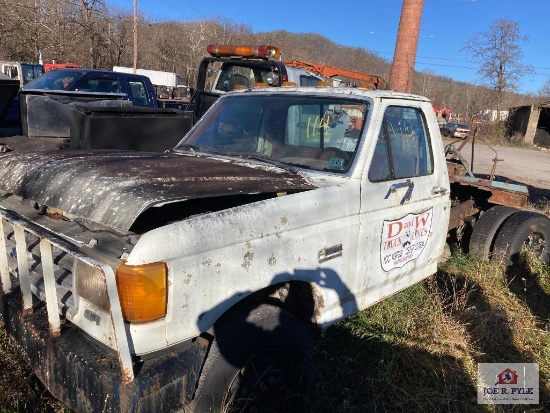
x,y
54,66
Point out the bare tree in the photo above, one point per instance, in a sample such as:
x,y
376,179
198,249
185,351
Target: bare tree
x,y
499,55
423,83
544,91
91,19
20,29
119,40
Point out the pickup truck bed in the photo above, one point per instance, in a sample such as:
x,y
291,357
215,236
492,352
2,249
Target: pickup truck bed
x,y
124,128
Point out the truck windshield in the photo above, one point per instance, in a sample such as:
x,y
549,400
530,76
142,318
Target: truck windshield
x,y
319,133
54,80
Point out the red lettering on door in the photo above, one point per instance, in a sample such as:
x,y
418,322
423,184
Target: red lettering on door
x,y
391,229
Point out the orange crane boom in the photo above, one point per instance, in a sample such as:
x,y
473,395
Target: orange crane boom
x,y
370,81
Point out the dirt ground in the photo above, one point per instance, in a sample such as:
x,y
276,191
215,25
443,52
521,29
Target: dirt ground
x,y
516,165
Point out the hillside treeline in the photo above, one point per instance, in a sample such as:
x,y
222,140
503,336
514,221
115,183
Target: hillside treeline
x,y
94,35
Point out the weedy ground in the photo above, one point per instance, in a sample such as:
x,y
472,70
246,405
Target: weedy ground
x,y
416,351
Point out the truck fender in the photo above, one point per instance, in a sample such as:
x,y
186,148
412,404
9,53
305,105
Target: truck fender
x,y
300,298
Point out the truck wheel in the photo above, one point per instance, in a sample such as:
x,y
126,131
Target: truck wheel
x,y
261,361
524,228
485,229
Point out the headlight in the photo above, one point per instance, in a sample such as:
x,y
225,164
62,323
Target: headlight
x,y
272,78
91,285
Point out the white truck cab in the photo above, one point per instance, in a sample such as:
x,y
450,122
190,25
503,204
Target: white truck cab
x,y
244,67
199,269
234,75
24,72
281,207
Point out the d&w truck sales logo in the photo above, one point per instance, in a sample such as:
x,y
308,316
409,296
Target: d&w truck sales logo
x,y
404,239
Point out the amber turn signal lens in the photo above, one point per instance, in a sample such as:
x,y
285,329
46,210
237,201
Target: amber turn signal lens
x,y
142,290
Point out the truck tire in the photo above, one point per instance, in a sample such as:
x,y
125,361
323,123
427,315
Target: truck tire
x,y
261,361
524,228
485,229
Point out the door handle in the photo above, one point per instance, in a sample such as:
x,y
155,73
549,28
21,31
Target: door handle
x,y
410,186
439,190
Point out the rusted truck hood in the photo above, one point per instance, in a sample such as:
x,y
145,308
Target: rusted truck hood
x,y
114,188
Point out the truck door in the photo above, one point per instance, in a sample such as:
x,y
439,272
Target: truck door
x,y
404,204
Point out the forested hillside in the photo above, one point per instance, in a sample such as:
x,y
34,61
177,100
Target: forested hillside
x,y
93,35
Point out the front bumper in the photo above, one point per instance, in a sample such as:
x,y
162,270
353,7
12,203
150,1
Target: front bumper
x,y
87,377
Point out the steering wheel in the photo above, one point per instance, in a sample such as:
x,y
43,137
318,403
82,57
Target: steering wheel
x,y
337,151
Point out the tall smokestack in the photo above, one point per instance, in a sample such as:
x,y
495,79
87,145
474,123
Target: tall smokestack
x,y
404,56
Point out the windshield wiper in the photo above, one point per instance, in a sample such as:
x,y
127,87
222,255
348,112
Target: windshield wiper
x,y
191,148
262,158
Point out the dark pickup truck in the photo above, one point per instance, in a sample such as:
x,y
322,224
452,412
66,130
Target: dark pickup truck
x,y
93,109
87,108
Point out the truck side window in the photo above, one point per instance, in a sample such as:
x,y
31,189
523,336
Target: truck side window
x,y
101,85
138,91
308,80
380,164
11,71
402,149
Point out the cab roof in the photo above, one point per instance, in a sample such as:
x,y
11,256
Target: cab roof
x,y
350,91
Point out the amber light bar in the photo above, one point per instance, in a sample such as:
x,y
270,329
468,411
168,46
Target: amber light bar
x,y
264,51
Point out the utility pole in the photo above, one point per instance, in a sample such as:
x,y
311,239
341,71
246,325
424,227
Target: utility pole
x,y
404,56
135,36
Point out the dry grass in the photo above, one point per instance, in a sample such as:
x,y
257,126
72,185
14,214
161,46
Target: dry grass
x,y
542,206
418,351
495,133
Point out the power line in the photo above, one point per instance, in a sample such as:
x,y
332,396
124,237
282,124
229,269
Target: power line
x,y
447,59
184,14
181,12
440,65
459,60
192,6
